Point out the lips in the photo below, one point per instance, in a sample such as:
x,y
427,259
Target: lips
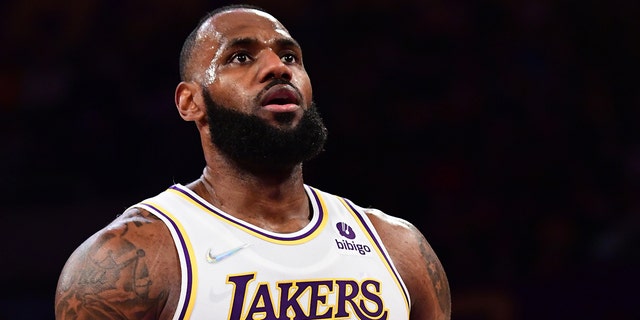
x,y
280,95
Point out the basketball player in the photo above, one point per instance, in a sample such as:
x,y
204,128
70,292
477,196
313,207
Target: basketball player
x,y
248,239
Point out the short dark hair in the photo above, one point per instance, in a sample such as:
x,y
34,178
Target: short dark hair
x,y
190,42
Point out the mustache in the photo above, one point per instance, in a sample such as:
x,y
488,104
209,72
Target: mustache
x,y
276,82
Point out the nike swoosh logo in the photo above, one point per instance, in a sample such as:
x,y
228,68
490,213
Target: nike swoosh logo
x,y
215,258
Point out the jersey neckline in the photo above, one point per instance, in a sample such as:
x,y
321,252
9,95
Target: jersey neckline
x,y
318,217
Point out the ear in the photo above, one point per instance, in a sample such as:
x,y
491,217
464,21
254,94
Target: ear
x,y
189,101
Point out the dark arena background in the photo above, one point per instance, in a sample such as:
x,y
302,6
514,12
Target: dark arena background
x,y
506,131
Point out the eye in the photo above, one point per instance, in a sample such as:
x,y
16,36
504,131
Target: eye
x,y
289,58
240,57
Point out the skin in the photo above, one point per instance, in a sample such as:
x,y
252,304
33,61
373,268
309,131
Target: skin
x,y
130,269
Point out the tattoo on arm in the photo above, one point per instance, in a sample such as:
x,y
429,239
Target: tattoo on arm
x,y
112,281
436,273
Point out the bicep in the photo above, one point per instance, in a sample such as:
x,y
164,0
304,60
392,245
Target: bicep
x,y
418,265
115,274
436,284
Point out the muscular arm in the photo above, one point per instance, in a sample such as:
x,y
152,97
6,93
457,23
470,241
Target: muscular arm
x,y
418,265
129,270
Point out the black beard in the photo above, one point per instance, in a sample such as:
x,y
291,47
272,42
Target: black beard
x,y
255,144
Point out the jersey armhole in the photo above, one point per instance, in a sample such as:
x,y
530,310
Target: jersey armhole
x,y
366,224
184,249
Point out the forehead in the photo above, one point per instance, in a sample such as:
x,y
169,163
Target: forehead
x,y
241,23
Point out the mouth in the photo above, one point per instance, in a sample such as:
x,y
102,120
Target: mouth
x,y
281,98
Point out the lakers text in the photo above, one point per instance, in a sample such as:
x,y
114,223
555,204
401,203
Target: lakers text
x,y
309,299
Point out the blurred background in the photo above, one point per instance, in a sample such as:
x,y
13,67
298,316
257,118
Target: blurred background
x,y
504,130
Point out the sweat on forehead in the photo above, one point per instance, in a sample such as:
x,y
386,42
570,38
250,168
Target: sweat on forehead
x,y
219,24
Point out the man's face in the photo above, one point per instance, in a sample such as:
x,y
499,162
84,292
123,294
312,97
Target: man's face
x,y
247,61
257,93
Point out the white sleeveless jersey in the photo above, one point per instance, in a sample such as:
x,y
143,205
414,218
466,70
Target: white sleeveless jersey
x,y
334,268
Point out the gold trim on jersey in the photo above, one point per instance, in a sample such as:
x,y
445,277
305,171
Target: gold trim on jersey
x,y
190,251
258,232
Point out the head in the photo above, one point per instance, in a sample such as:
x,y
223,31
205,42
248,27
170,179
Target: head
x,y
245,86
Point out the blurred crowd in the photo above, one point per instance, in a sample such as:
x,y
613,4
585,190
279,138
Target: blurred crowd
x,y
504,130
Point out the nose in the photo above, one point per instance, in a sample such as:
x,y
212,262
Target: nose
x,y
272,67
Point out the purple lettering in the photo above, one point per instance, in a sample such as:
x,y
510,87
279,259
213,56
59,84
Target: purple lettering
x,y
239,291
315,298
374,297
267,305
347,291
353,298
287,302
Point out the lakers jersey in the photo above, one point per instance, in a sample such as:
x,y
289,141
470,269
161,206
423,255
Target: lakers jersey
x,y
334,268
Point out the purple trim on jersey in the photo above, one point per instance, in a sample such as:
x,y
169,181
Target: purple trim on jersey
x,y
252,228
378,244
183,244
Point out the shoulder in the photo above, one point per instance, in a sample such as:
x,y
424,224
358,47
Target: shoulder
x,y
417,263
129,269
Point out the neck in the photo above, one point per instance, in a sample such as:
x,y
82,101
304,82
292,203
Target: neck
x,y
273,200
